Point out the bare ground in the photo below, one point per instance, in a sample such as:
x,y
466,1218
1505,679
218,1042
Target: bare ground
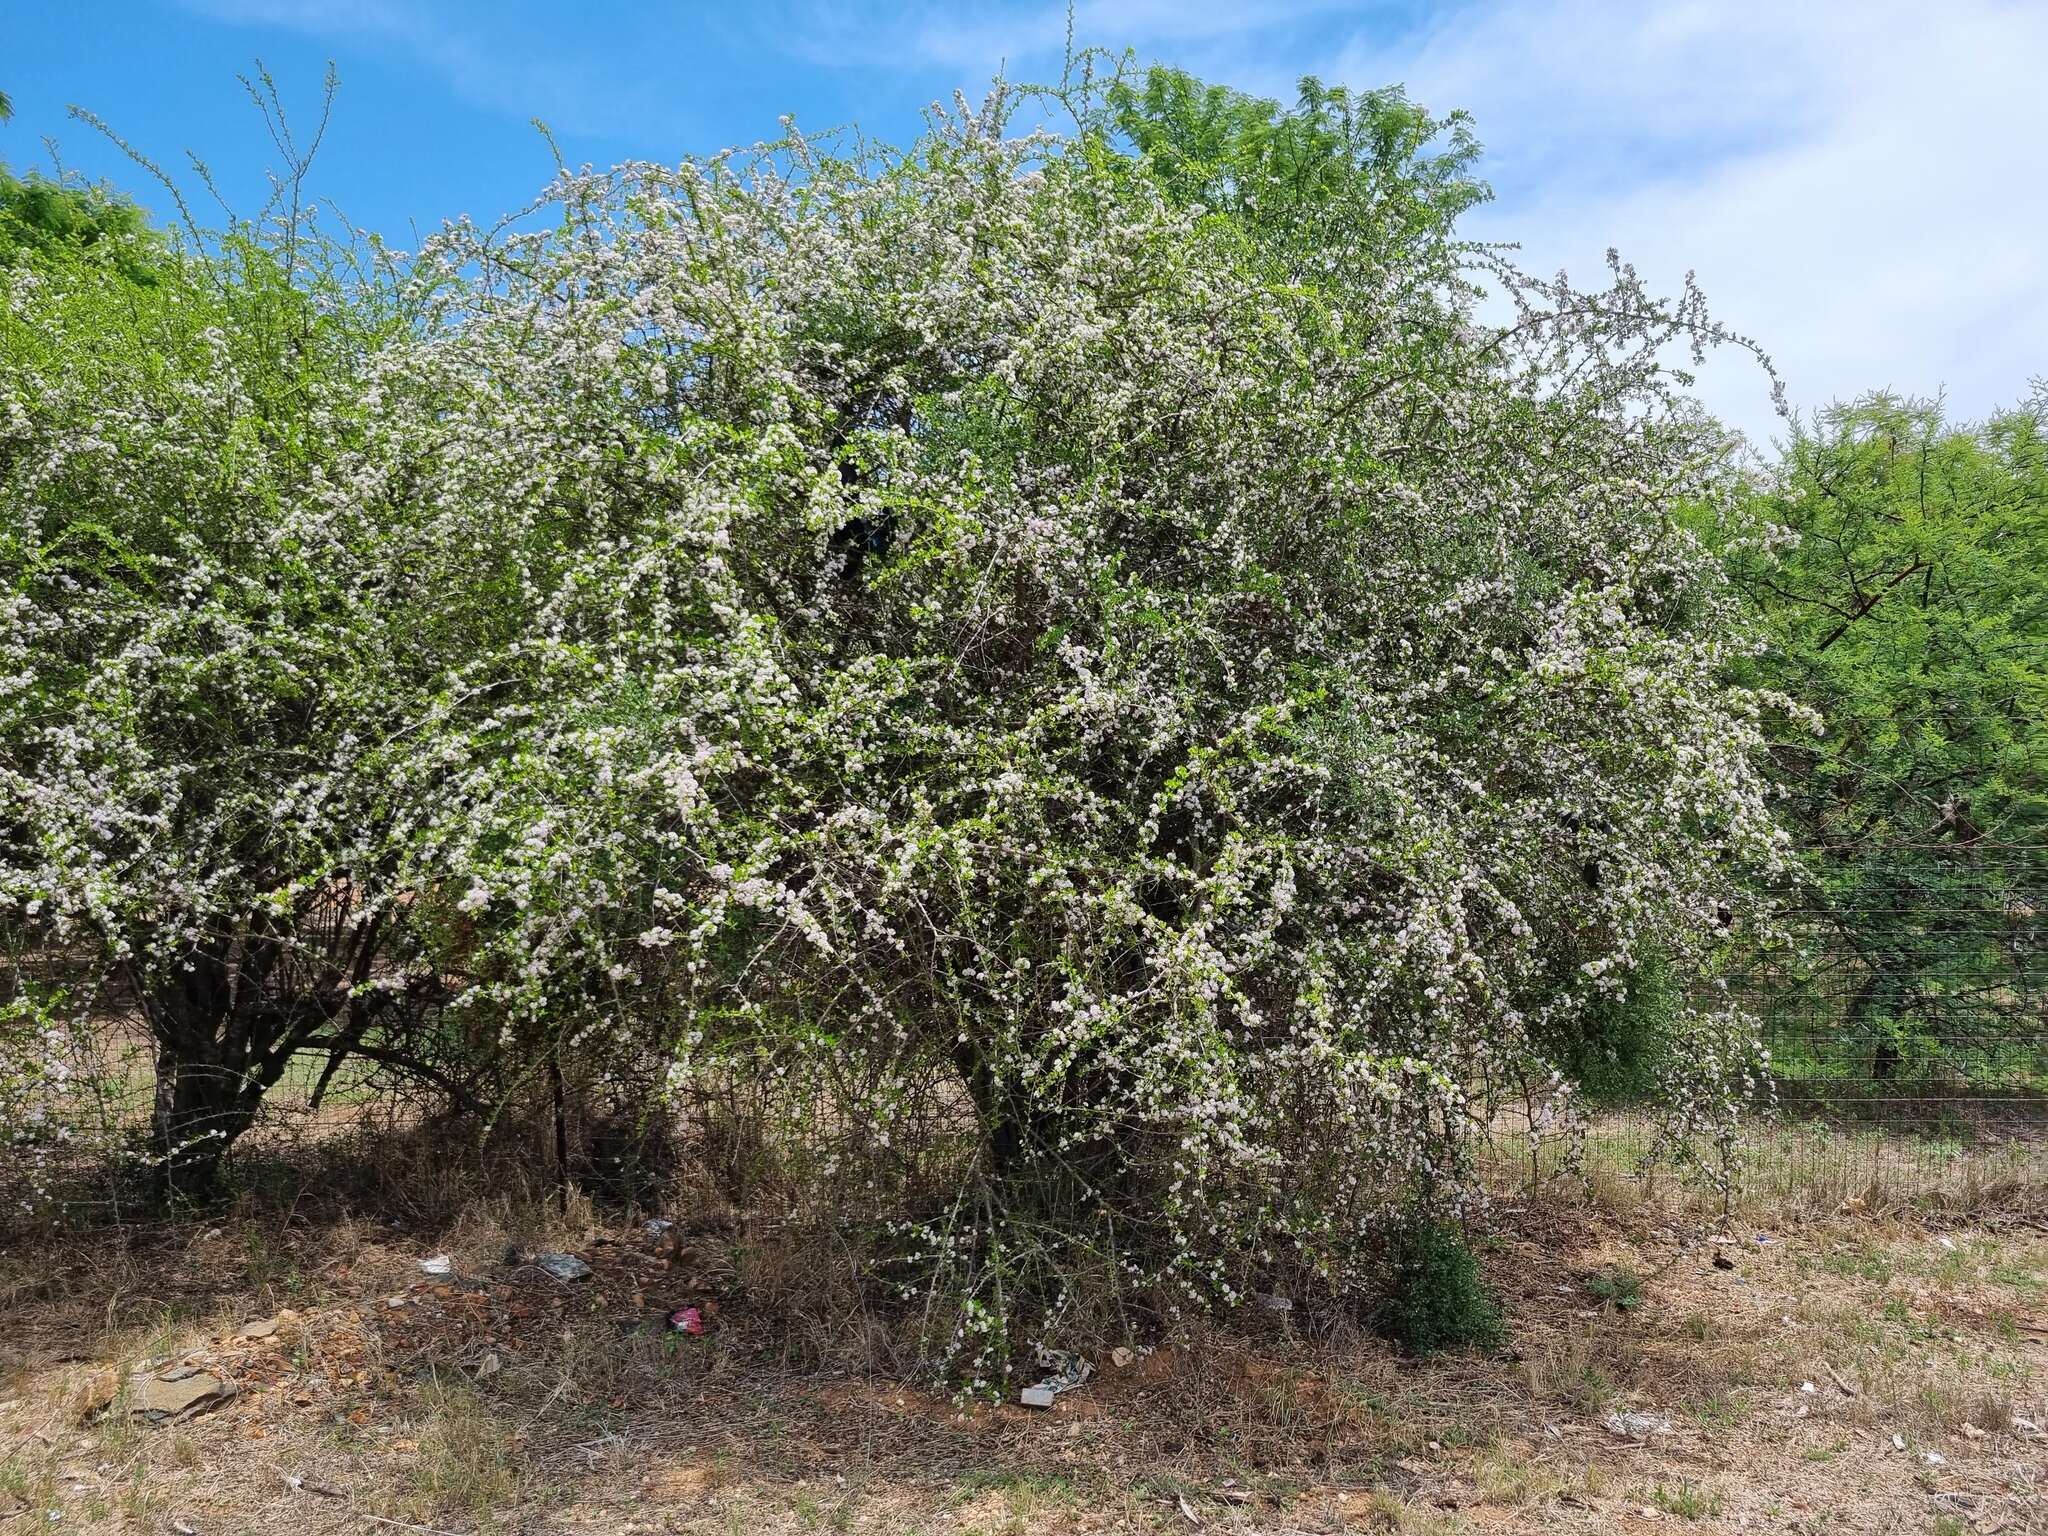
x,y
1850,1374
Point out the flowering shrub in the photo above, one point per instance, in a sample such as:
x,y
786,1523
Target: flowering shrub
x,y
221,621
1014,655
1113,737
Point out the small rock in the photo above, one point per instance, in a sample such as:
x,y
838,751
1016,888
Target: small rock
x,y
439,1264
1277,1303
1121,1357
170,1395
490,1365
1898,1442
1036,1397
95,1395
262,1328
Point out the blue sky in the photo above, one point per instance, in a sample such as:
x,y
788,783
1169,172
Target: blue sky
x,y
1856,182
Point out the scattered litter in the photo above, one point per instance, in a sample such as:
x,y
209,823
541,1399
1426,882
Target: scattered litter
x,y
660,1226
686,1320
562,1266
1121,1357
1188,1511
1763,1238
1934,1458
1068,1372
1638,1426
1946,1243
1807,1386
490,1365
439,1264
1898,1442
2025,1426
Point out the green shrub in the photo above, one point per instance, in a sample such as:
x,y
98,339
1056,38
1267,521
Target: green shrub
x,y
1618,1047
1619,1286
1436,1299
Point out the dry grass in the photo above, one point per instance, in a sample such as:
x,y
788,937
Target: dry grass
x,y
504,1402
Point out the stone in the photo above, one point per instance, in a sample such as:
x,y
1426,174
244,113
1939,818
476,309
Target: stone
x,y
171,1394
95,1395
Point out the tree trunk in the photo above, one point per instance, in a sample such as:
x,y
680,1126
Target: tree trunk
x,y
201,1108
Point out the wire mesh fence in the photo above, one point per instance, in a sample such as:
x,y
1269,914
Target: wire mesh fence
x,y
1907,1029
1908,1048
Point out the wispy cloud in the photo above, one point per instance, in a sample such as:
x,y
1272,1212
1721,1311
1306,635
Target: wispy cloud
x,y
493,57
976,36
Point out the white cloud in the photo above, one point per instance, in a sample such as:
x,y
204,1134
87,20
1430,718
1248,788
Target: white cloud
x,y
1856,182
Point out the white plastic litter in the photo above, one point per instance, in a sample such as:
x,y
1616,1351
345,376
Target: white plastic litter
x,y
1638,1426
